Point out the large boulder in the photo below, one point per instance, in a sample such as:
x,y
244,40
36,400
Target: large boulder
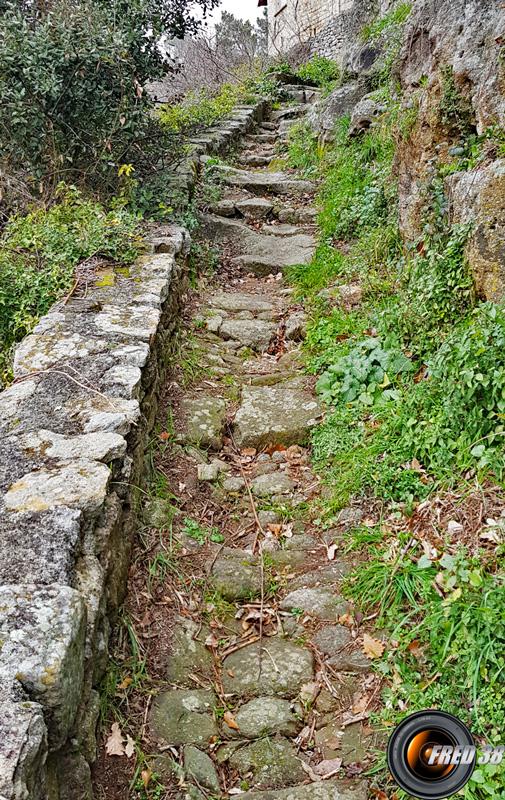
x,y
323,115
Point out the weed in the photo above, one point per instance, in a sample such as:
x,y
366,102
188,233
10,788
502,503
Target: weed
x,y
454,110
201,534
320,71
396,17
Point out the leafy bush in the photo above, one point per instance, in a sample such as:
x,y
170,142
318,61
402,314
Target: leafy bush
x,y
198,109
40,251
72,79
364,375
320,71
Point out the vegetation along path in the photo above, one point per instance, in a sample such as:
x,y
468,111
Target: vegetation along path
x,y
250,673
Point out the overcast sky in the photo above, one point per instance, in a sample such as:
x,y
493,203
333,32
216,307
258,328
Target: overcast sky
x,y
244,9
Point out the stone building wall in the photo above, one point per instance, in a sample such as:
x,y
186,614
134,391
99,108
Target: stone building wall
x,y
74,426
325,24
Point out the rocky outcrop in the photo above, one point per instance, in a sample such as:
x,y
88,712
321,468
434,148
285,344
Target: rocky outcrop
x,y
451,66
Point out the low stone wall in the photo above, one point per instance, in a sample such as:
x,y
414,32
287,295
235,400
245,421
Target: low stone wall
x,y
73,430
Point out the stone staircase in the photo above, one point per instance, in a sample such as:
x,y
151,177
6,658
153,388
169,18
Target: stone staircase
x,y
267,701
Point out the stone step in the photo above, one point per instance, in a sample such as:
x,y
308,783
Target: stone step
x,y
327,790
266,254
265,182
280,414
253,160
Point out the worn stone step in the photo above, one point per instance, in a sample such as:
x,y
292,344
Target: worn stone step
x,y
263,254
280,414
282,669
327,790
265,182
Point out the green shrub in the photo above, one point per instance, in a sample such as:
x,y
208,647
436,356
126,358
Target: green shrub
x,y
39,252
72,79
320,71
199,109
456,416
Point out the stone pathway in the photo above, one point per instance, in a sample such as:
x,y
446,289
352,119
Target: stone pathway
x,y
267,688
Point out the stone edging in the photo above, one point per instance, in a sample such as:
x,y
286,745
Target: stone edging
x,y
73,431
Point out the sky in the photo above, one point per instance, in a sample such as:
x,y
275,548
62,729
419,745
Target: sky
x,y
244,9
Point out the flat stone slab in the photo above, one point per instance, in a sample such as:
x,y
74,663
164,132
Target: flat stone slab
x,y
262,253
324,576
265,716
254,333
238,301
285,667
200,767
322,603
273,763
326,790
280,414
184,716
331,639
236,575
205,419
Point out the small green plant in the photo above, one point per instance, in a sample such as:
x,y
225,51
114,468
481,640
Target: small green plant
x,y
394,18
201,534
454,110
365,375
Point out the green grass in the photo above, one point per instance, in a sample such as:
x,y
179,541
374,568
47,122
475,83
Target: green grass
x,y
441,426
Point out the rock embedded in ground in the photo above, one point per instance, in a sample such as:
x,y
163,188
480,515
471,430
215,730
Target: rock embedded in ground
x,y
296,326
200,767
240,301
325,790
233,484
187,654
236,575
285,667
322,603
273,763
184,716
208,472
255,207
253,333
281,414
324,576
224,208
272,483
205,419
352,661
266,716
331,639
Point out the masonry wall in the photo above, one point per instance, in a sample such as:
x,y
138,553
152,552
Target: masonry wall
x,y
327,25
74,427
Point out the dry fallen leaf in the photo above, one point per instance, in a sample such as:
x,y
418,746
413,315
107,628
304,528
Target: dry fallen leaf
x,y
454,527
115,743
125,682
346,619
230,721
146,776
373,648
130,747
331,551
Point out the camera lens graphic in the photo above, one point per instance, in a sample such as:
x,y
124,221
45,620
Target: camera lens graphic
x,y
411,748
